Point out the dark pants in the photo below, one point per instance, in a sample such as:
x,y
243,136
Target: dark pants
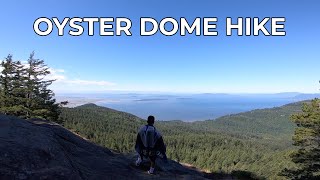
x,y
151,154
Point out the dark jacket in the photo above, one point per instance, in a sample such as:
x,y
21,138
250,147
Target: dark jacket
x,y
150,139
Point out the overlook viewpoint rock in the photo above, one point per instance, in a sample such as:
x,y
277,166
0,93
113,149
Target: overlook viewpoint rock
x,y
38,149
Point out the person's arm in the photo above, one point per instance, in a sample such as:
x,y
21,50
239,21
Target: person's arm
x,y
138,144
162,146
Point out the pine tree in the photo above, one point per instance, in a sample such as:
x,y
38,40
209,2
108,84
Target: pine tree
x,y
307,139
6,81
12,80
41,100
24,90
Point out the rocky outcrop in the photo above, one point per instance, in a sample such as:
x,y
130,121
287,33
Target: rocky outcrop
x,y
36,149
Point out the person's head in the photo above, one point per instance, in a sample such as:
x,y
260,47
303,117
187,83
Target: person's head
x,y
150,120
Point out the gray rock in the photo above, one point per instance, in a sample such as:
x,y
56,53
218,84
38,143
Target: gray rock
x,y
37,149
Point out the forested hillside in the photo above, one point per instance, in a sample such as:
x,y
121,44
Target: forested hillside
x,y
272,122
254,143
271,125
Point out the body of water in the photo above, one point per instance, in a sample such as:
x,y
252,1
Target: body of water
x,y
193,107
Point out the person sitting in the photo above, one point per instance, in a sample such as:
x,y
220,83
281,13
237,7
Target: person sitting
x,y
149,144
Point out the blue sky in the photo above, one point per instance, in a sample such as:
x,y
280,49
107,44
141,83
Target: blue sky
x,y
158,63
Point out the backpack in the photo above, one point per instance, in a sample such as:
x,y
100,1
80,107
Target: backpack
x,y
150,137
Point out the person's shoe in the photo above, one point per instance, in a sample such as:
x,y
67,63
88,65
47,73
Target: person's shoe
x,y
138,162
151,171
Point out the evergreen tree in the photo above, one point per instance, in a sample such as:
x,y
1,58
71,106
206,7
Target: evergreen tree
x,y
307,138
24,90
6,81
41,100
12,97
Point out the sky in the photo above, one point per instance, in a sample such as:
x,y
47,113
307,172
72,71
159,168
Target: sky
x,y
189,64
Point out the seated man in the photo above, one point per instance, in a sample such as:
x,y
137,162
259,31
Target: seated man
x,y
149,143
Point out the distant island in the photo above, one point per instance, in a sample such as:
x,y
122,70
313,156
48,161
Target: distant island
x,y
185,107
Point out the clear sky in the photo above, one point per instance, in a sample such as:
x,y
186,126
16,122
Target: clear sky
x,y
158,63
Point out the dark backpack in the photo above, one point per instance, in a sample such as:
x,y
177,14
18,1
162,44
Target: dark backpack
x,y
150,135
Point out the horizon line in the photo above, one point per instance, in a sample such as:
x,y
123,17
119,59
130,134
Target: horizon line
x,y
190,93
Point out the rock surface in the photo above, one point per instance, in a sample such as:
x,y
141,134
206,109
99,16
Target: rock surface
x,y
37,149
